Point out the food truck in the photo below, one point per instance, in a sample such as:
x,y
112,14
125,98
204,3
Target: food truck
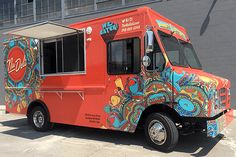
x,y
135,69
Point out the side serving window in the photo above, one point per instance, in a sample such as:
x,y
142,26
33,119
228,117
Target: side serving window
x,y
63,55
124,56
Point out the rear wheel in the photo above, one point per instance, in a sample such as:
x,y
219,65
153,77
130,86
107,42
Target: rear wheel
x,y
161,132
39,119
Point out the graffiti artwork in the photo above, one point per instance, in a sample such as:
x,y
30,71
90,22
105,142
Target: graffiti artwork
x,y
127,104
192,94
22,66
167,26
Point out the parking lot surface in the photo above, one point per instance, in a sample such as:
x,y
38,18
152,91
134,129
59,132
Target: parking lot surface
x,y
17,138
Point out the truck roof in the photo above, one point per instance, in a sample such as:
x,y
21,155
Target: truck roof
x,y
54,29
141,10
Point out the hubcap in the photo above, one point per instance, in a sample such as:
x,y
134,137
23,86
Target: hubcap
x,y
38,119
157,132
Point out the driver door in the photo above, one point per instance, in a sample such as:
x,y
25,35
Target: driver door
x,y
124,91
158,89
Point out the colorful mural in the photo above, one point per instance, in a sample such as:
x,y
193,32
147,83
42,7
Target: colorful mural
x,y
167,26
22,73
127,104
195,96
214,127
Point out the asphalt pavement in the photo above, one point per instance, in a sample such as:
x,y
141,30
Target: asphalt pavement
x,y
17,138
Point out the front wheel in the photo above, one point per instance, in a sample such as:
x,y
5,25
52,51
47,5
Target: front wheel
x,y
39,119
161,132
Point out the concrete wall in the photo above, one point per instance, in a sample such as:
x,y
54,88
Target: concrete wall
x,y
211,25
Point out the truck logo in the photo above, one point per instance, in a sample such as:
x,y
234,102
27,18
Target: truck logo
x,y
109,30
16,64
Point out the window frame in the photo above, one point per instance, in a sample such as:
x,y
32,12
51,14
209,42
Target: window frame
x,y
183,66
195,55
41,54
139,55
159,44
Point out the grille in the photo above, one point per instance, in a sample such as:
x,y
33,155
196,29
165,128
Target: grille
x,y
222,96
222,91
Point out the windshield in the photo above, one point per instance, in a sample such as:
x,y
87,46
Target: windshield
x,y
180,53
190,55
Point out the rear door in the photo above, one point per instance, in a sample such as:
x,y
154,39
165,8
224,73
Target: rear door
x,y
59,74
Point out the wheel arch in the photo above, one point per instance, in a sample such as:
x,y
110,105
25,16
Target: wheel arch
x,y
35,103
164,108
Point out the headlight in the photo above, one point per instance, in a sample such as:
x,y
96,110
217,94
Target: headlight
x,y
216,95
228,91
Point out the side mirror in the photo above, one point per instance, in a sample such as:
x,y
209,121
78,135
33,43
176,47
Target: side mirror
x,y
146,61
149,41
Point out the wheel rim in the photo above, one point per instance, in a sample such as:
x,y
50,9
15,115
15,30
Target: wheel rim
x,y
38,119
157,132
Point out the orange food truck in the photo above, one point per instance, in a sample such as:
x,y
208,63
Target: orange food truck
x,y
120,72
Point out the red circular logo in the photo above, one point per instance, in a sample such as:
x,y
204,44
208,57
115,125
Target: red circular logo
x,y
16,64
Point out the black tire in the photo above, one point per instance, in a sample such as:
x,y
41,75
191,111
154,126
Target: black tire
x,y
171,133
45,125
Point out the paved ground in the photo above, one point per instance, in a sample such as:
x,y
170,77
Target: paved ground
x,y
18,139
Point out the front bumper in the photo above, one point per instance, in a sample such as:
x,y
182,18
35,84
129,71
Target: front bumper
x,y
214,127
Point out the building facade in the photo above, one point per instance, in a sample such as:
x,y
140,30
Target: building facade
x,y
211,24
